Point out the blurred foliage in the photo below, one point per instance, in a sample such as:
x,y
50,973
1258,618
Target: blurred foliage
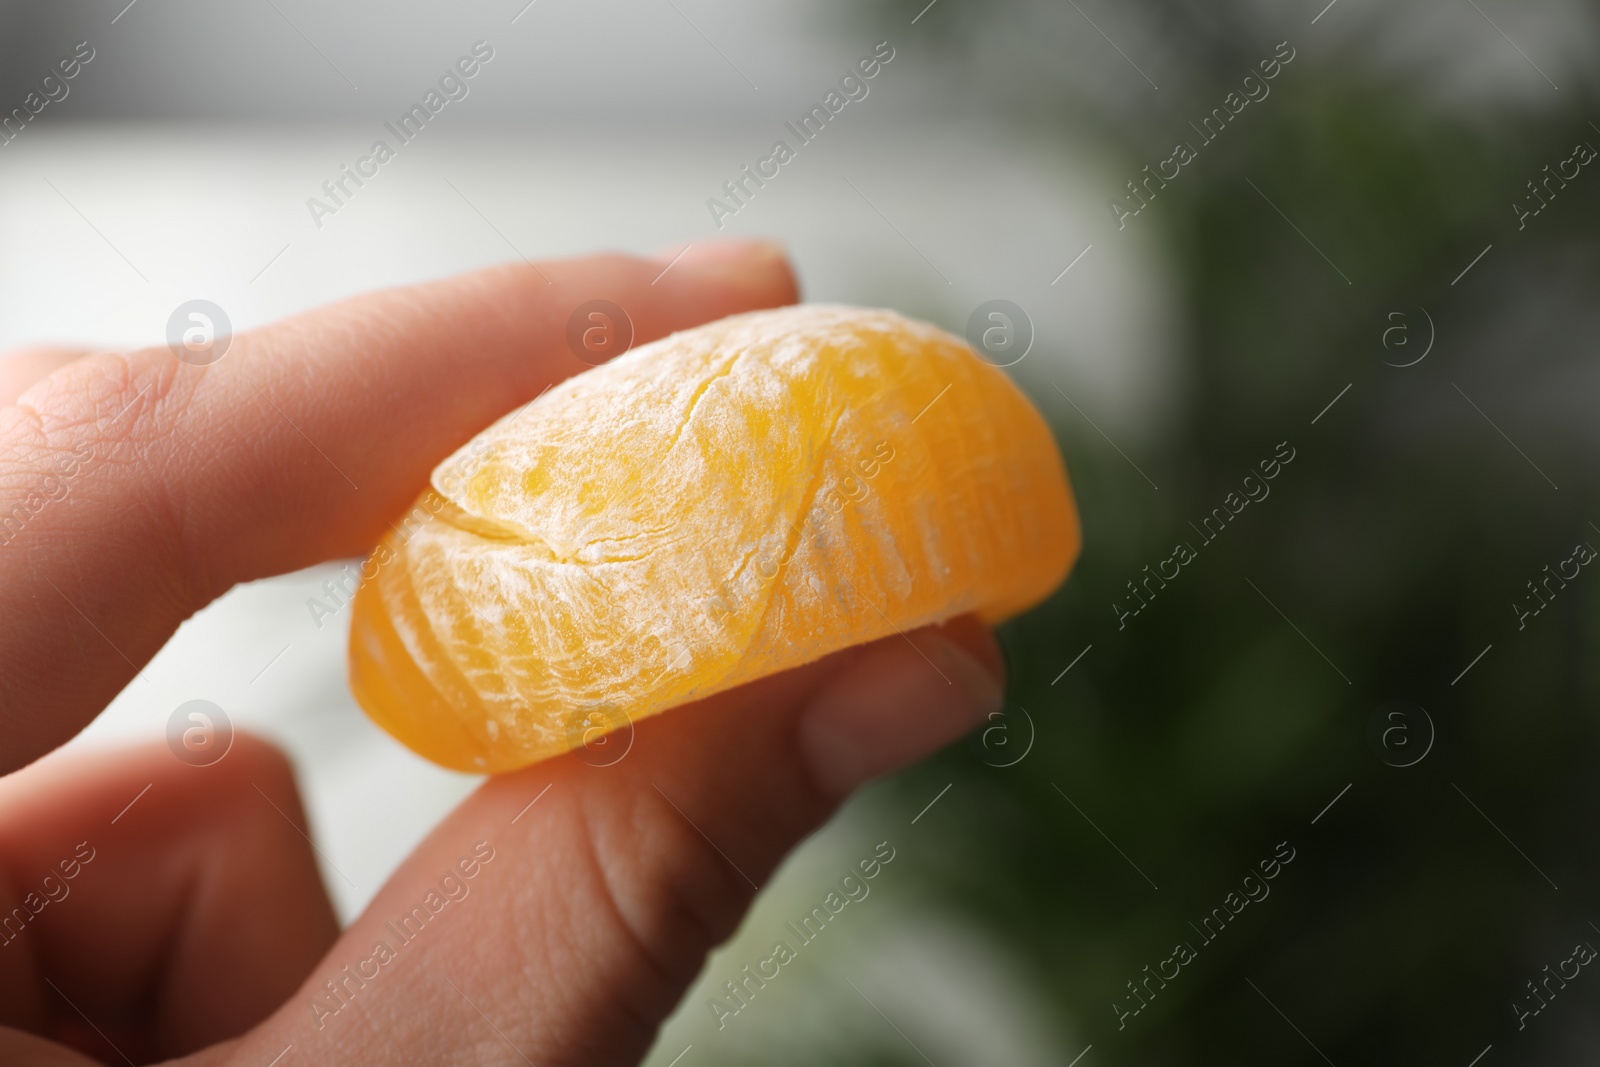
x,y
1210,728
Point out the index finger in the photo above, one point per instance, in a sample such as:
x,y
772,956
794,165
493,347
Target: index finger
x,y
136,487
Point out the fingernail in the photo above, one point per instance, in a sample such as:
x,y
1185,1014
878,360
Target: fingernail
x,y
724,252
759,265
898,701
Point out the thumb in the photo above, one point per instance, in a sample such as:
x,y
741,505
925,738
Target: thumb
x,y
558,915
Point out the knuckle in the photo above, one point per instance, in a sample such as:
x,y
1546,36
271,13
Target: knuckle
x,y
94,426
116,405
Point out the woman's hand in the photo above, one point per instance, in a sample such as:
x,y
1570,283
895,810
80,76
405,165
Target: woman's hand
x,y
557,933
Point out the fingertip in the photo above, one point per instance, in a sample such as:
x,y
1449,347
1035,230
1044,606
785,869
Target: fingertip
x,y
759,266
899,700
22,368
978,641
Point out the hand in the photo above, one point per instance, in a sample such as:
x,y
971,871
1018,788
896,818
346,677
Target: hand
x,y
199,926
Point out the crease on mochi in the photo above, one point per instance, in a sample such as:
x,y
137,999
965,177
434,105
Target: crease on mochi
x,y
928,532
498,529
724,368
622,539
489,528
606,561
807,501
729,364
728,582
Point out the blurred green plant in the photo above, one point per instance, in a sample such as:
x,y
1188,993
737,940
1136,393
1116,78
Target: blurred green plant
x,y
1211,728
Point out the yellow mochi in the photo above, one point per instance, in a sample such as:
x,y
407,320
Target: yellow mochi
x,y
719,505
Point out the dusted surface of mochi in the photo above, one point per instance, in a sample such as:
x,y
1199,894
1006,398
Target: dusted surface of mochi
x,y
716,506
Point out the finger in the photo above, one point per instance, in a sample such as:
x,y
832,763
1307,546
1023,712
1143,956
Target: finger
x,y
24,366
135,488
149,908
565,931
18,1047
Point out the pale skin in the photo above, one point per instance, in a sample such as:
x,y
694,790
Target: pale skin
x,y
201,929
